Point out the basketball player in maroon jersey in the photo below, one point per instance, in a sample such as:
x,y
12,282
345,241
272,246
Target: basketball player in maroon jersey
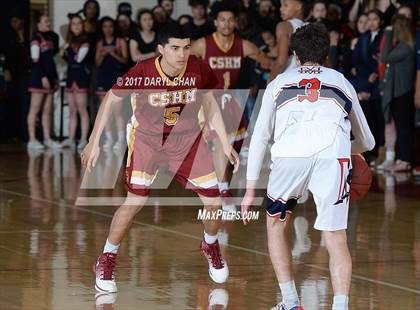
x,y
225,52
164,131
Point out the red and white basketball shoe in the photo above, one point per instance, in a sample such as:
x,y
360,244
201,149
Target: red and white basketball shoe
x,y
218,269
104,271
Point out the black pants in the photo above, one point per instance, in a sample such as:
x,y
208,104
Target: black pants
x,y
375,118
402,111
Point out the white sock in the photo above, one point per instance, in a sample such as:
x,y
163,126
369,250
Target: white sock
x,y
209,239
340,302
289,294
223,186
110,248
108,135
121,135
390,155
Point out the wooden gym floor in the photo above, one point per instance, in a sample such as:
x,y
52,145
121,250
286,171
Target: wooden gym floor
x,y
48,245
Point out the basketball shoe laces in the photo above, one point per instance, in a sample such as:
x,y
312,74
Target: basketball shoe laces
x,y
214,252
107,263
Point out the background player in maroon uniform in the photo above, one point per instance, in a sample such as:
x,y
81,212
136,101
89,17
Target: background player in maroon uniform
x,y
164,129
224,52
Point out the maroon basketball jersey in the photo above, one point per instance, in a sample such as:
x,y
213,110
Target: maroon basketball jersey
x,y
226,64
163,104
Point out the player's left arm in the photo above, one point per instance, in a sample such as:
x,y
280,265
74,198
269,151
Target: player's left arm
x,y
253,52
212,113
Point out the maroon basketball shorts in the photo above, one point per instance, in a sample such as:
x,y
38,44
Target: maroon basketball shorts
x,y
186,155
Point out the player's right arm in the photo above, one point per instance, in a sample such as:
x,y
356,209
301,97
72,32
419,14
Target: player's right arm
x,y
259,141
283,31
114,96
363,138
91,152
198,48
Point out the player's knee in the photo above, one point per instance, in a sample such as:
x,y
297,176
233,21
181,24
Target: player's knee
x,y
132,209
273,223
335,238
134,204
211,203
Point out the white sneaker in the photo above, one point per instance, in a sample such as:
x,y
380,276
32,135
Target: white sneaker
x,y
218,297
67,143
218,269
104,271
108,144
103,299
35,145
386,164
52,144
82,144
120,144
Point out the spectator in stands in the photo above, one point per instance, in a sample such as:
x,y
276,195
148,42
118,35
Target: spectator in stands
x,y
43,83
168,6
75,53
319,11
266,18
161,18
125,26
416,171
387,8
184,19
91,11
111,58
125,8
16,74
398,82
200,26
144,41
365,59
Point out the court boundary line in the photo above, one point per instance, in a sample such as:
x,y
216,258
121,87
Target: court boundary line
x,y
175,232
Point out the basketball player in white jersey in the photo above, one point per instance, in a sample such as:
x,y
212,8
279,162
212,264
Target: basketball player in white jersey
x,y
292,13
312,110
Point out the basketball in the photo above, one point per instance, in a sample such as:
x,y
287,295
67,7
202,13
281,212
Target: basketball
x,y
361,178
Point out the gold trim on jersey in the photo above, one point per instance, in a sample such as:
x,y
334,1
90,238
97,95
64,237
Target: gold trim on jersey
x,y
144,175
219,45
164,76
131,141
204,178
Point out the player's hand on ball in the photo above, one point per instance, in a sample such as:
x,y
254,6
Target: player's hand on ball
x,y
232,156
246,204
90,155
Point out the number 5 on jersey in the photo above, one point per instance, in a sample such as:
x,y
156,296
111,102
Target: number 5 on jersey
x,y
171,115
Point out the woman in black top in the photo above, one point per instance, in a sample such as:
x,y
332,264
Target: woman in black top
x,y
144,42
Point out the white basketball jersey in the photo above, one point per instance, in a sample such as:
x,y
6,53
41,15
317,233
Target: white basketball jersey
x,y
310,109
311,104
